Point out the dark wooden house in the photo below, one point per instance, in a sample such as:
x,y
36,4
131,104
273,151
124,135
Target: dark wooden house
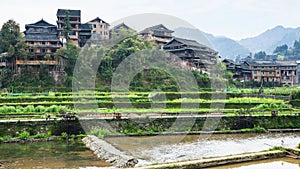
x,y
42,41
120,27
240,71
159,33
75,21
201,56
84,33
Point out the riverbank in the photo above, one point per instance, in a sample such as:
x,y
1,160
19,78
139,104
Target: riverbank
x,y
148,126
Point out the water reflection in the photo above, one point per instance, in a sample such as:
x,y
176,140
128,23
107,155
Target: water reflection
x,y
47,155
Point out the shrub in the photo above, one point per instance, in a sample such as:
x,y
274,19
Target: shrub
x,y
24,135
4,138
101,133
40,109
41,135
64,135
259,129
29,108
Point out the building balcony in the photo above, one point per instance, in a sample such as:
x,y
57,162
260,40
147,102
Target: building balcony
x,y
44,46
36,62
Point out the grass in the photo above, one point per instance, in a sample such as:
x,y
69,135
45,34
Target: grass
x,y
255,129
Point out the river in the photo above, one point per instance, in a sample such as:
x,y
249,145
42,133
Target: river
x,y
161,149
48,155
156,149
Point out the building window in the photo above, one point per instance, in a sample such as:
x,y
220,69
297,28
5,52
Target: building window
x,y
254,66
43,43
94,25
263,72
255,72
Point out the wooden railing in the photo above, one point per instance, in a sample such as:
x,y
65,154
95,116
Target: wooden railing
x,y
36,62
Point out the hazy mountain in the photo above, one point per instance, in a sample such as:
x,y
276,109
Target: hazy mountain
x,y
226,47
272,38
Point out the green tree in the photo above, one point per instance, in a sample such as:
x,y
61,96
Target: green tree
x,y
70,54
11,51
67,28
260,55
9,35
297,47
281,49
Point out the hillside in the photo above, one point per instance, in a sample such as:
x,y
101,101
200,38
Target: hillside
x,y
226,47
270,39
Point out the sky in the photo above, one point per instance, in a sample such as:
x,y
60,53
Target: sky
x,y
236,19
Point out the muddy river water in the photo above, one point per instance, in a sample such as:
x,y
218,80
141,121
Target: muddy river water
x,y
48,155
155,149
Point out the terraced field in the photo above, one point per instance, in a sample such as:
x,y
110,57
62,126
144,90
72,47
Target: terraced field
x,y
103,104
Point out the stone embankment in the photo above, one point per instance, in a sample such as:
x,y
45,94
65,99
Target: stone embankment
x,y
109,153
213,162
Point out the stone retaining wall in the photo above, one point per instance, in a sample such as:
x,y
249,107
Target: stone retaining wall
x,y
213,162
109,153
151,125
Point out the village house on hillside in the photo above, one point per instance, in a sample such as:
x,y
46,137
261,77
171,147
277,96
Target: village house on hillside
x,y
120,27
100,27
42,41
75,21
198,55
284,72
240,71
81,32
265,71
159,33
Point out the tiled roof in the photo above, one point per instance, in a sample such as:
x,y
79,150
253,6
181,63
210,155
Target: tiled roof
x,y
98,20
120,26
40,23
190,43
62,12
160,28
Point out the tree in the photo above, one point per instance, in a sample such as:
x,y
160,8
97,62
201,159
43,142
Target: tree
x,y
281,49
70,52
296,47
11,51
9,35
67,28
260,55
